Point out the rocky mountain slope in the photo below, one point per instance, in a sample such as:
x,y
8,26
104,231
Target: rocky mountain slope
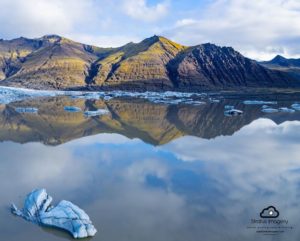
x,y
289,66
156,63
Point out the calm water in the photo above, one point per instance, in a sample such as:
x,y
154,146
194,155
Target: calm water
x,y
153,171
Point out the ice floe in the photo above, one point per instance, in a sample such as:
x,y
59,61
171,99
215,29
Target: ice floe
x,y
259,102
213,100
296,106
26,110
11,94
98,112
66,215
233,112
194,102
72,109
286,110
269,110
228,107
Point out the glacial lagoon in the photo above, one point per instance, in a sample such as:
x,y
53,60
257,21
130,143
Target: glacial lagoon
x,y
152,168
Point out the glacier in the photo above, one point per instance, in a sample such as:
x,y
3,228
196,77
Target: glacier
x,y
65,215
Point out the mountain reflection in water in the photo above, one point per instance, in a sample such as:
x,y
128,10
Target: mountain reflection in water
x,y
203,176
153,123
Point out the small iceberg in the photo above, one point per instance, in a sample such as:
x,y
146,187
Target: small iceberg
x,y
233,112
26,110
212,100
228,107
66,215
96,112
269,110
286,110
194,102
259,102
296,106
72,109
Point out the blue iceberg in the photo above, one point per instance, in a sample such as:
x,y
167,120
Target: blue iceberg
x,y
72,109
66,215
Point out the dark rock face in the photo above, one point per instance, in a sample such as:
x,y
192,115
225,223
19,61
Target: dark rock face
x,y
282,61
290,67
209,66
156,63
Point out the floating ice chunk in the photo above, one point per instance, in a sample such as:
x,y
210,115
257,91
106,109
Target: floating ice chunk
x,y
91,96
285,109
96,112
107,98
72,109
269,110
296,106
194,102
228,107
212,100
66,215
15,210
166,101
26,110
233,112
259,102
11,94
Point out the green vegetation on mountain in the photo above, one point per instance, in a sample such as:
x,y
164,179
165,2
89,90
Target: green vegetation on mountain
x,y
156,63
138,64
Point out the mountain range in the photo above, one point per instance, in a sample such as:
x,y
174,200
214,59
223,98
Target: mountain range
x,y
156,63
280,63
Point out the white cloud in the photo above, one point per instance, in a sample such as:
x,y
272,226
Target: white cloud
x,y
103,138
139,9
104,40
259,146
251,140
185,22
256,28
34,18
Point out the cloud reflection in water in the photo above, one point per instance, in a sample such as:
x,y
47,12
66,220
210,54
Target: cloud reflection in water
x,y
184,190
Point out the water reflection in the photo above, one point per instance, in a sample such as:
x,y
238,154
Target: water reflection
x,y
187,188
156,124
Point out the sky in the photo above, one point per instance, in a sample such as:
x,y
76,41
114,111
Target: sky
x,y
259,29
